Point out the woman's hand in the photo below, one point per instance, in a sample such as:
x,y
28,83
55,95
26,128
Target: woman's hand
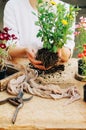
x,y
31,56
64,54
37,64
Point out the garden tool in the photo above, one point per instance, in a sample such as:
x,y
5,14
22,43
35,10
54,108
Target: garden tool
x,y
17,101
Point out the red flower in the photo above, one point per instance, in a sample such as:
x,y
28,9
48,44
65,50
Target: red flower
x,y
84,46
14,37
6,29
84,51
2,45
80,55
4,35
1,36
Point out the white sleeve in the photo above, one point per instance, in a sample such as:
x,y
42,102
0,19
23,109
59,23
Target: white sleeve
x,y
9,19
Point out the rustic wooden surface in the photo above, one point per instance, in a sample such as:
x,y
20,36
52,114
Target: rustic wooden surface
x,y
47,114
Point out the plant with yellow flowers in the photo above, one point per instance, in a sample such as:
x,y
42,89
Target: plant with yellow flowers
x,y
55,23
55,27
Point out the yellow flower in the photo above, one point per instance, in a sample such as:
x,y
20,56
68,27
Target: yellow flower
x,y
64,22
53,2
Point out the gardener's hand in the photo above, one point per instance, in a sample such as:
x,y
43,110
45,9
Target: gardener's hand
x,y
41,67
31,56
37,64
64,54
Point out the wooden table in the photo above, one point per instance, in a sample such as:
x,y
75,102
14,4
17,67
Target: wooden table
x,y
47,114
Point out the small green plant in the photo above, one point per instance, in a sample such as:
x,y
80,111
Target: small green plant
x,y
55,23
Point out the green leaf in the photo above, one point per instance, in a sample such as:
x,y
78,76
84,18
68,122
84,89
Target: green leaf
x,y
40,33
54,48
39,1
